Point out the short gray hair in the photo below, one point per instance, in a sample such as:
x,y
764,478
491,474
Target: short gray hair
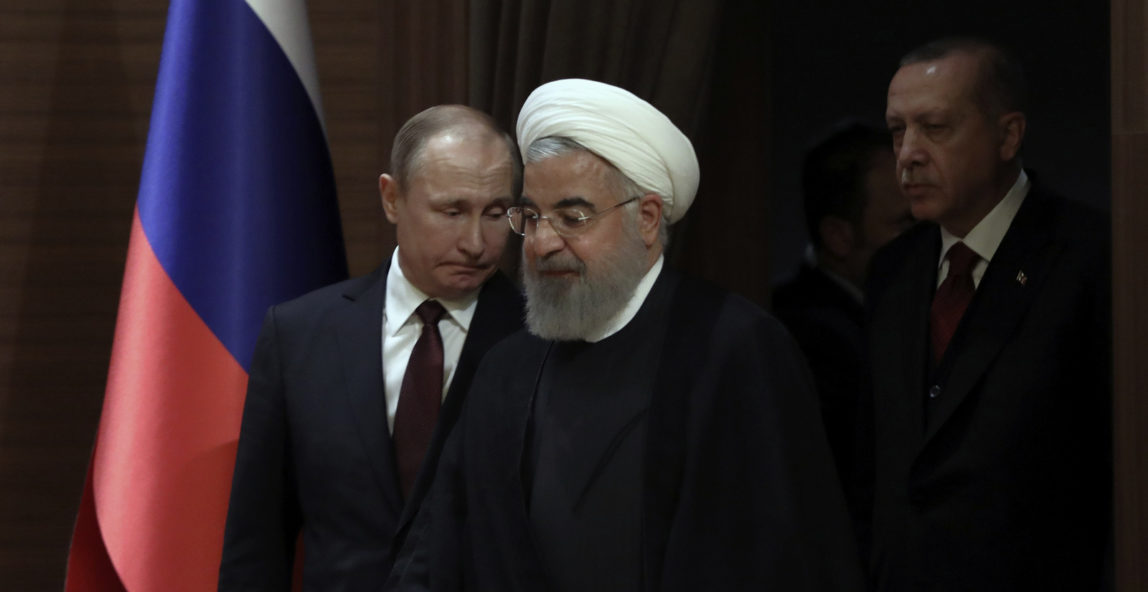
x,y
1000,84
412,137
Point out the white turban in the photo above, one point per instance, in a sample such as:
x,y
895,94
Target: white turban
x,y
626,131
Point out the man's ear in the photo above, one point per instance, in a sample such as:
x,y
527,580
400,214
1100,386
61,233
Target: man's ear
x,y
1012,127
389,193
650,217
837,236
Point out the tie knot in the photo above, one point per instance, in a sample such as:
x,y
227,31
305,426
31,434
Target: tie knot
x,y
430,311
961,259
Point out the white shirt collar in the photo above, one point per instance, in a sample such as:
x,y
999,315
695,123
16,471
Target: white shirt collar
x,y
629,311
403,298
987,235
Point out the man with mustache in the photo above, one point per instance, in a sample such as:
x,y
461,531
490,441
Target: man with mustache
x,y
354,387
989,338
648,432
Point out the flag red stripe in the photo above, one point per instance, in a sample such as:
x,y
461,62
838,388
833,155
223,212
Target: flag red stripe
x,y
161,472
89,567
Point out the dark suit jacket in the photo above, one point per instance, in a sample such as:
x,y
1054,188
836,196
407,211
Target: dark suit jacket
x,y
314,450
828,324
1002,479
738,490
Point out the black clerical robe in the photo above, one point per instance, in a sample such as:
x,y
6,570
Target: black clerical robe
x,y
737,487
585,464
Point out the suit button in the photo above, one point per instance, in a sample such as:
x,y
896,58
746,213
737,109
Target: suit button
x,y
935,391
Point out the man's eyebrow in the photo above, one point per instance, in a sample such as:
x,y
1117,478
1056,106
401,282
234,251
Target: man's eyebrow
x,y
567,202
443,202
570,202
932,114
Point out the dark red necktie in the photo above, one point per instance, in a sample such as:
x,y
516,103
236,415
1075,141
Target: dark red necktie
x,y
952,297
419,397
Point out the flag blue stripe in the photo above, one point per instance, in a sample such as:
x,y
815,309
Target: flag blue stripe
x,y
237,194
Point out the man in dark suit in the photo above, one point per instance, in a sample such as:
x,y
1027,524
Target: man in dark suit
x,y
853,206
650,432
990,348
342,426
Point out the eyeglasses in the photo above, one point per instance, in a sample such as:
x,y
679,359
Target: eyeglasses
x,y
566,222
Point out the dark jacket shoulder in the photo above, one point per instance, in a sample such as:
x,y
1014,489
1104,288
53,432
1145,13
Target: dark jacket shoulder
x,y
891,258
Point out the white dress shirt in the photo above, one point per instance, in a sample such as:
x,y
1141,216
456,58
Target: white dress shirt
x,y
402,327
987,235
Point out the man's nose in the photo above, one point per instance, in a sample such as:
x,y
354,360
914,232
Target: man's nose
x,y
911,151
544,239
472,242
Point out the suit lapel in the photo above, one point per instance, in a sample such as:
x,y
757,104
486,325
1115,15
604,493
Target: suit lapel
x,y
903,344
358,330
1011,281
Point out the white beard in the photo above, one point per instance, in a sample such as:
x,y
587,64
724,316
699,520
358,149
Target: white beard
x,y
564,309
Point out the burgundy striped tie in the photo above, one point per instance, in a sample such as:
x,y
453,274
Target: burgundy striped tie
x,y
419,397
952,297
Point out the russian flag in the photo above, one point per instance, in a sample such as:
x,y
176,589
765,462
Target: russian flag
x,y
236,211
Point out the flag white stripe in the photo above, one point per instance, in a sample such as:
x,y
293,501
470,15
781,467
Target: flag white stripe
x,y
288,23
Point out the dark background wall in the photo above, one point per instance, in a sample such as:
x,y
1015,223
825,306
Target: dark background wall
x,y
76,82
75,90
835,60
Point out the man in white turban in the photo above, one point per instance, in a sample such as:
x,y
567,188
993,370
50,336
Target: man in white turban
x,y
648,431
